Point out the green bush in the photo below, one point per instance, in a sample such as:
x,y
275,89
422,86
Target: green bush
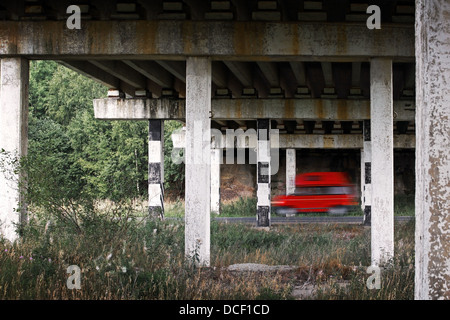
x,y
243,207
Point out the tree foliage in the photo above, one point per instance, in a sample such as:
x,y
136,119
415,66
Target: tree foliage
x,y
73,156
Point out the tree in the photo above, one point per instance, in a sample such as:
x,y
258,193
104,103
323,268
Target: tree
x,y
73,155
174,174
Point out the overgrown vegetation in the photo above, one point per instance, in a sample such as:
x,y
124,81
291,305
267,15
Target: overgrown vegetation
x,y
71,154
139,259
85,181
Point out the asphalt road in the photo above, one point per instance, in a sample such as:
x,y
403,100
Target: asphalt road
x,y
311,219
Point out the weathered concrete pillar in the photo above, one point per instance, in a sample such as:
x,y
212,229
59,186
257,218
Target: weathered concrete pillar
x,y
290,170
14,76
198,158
432,258
263,173
382,168
216,160
156,168
366,169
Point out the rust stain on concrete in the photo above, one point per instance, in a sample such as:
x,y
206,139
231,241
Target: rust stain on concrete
x,y
242,43
341,40
342,110
289,107
319,109
146,41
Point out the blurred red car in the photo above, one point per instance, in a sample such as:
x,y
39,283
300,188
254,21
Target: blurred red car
x,y
330,192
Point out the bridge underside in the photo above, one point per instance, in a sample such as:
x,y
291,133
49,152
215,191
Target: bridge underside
x,y
312,70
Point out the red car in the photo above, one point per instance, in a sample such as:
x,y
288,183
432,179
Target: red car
x,y
329,192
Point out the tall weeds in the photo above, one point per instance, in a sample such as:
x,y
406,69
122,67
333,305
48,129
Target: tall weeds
x,y
144,259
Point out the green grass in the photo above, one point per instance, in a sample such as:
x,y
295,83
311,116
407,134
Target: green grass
x,y
135,259
246,207
404,205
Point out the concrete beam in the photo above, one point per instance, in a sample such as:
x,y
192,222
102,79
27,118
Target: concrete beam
x,y
176,68
219,74
123,72
248,109
247,139
152,71
299,71
139,109
244,40
432,255
91,71
241,71
14,74
270,72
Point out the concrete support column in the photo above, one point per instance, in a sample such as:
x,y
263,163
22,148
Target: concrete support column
x,y
290,170
432,258
14,74
216,160
382,168
156,168
366,159
263,173
362,179
198,158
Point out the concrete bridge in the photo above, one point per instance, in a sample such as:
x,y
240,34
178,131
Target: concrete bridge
x,y
314,70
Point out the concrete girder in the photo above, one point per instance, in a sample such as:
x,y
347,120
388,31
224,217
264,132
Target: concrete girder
x,y
219,74
241,71
177,68
270,72
152,71
120,70
243,139
91,71
327,74
249,109
299,71
220,40
288,80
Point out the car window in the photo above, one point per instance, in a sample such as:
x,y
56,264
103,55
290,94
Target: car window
x,y
314,191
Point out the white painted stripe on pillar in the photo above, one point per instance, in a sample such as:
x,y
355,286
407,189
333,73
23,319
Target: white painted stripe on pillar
x,y
263,194
198,167
155,152
382,171
290,170
154,198
216,160
156,168
263,168
363,178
